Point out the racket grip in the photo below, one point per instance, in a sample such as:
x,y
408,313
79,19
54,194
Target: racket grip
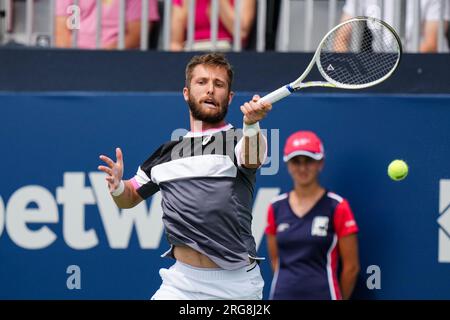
x,y
277,95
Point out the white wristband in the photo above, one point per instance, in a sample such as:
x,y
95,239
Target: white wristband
x,y
120,189
251,130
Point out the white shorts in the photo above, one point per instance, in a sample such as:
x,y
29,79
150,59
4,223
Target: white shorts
x,y
184,282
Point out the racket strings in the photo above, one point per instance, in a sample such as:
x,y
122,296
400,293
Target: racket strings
x,y
359,53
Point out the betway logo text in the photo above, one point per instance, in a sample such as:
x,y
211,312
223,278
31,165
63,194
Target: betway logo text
x,y
74,196
444,221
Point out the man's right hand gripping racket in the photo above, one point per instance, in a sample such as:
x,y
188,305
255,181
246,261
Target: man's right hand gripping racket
x,y
358,53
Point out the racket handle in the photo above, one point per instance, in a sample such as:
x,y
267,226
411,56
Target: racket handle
x,y
277,95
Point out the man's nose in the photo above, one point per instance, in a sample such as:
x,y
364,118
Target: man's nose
x,y
210,87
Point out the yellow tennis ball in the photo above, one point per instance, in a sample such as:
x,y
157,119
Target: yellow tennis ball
x,y
398,170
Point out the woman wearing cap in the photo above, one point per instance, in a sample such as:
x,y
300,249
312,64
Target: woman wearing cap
x,y
309,230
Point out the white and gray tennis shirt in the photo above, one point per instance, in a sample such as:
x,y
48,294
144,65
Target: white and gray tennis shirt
x,y
207,195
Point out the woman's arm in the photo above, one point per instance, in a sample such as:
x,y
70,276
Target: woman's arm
x,y
348,248
178,27
63,36
430,37
226,15
273,251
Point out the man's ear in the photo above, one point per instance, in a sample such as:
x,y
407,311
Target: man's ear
x,y
186,94
230,97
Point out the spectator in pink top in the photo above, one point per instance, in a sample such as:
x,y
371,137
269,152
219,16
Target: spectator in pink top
x,y
110,23
202,28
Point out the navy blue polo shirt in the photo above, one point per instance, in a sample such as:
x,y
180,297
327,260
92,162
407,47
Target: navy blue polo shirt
x,y
307,247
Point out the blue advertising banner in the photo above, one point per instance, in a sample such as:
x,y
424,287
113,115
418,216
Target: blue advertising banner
x,y
62,237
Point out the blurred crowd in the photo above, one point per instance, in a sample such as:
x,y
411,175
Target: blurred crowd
x,y
430,15
178,26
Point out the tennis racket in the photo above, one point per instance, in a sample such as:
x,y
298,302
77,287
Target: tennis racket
x,y
358,53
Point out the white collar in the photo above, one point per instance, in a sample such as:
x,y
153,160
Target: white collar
x,y
191,134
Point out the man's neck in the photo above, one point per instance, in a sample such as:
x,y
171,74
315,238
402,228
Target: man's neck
x,y
200,126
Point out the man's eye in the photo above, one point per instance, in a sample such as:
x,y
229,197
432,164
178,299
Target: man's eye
x,y
219,84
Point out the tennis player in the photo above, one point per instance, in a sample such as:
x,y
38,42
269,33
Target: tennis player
x,y
207,182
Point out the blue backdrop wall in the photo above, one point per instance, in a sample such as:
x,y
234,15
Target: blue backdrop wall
x,y
55,211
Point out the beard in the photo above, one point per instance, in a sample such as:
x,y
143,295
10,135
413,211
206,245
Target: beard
x,y
209,116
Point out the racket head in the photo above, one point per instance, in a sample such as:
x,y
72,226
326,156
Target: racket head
x,y
359,53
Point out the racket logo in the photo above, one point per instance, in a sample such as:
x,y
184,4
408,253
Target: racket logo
x,y
350,64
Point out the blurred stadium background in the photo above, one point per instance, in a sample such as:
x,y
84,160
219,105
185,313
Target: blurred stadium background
x,y
61,108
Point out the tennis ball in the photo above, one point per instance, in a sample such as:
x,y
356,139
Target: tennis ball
x,y
398,170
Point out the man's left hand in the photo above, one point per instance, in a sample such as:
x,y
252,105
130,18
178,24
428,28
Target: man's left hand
x,y
255,111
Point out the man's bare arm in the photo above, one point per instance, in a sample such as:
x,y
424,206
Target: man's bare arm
x,y
254,144
63,36
123,192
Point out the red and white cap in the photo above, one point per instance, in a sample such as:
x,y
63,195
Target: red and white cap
x,y
303,143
